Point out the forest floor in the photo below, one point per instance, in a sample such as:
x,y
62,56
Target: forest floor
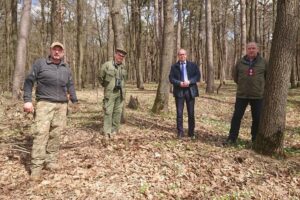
x,y
146,160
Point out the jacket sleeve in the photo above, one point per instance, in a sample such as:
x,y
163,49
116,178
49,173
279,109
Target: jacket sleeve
x,y
235,73
29,82
101,75
172,78
71,89
196,75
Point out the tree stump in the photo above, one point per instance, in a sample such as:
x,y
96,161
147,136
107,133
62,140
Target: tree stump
x,y
133,103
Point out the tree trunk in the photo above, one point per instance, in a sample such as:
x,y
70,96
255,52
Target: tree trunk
x,y
54,23
5,73
257,35
14,37
43,29
158,39
137,47
210,87
118,28
117,23
110,35
179,22
80,52
162,95
298,58
251,35
222,43
283,51
19,73
243,27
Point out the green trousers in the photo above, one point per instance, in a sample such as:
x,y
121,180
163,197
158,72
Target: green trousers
x,y
112,107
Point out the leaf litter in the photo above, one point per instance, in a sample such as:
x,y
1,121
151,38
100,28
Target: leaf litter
x,y
145,160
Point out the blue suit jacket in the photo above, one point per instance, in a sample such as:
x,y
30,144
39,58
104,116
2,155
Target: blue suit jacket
x,y
193,74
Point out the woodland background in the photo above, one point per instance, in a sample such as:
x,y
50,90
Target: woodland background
x,y
86,29
154,164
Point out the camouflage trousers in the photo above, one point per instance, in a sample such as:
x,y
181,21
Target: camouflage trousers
x,y
50,121
112,107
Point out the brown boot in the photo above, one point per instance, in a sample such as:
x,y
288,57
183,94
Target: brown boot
x,y
36,174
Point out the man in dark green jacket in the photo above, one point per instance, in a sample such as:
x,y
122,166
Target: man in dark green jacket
x,y
249,74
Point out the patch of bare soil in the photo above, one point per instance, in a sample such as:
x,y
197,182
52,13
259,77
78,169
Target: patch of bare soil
x,y
146,160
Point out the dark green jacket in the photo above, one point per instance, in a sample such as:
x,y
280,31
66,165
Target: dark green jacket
x,y
250,86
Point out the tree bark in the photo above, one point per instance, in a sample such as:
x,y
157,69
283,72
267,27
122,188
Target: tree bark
x,y
118,28
80,50
251,35
137,46
210,87
54,23
283,51
179,22
162,95
110,35
19,73
243,27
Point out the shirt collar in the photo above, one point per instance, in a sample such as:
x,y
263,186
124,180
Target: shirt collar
x,y
50,62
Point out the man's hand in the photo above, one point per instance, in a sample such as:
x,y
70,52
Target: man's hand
x,y
28,107
185,84
74,107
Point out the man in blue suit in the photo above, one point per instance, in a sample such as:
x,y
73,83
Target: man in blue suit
x,y
184,76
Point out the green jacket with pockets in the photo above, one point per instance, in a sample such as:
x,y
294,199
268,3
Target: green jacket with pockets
x,y
107,76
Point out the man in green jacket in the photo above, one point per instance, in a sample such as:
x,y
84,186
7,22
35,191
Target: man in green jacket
x,y
249,74
112,77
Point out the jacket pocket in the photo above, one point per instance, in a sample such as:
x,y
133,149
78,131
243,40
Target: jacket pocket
x,y
109,75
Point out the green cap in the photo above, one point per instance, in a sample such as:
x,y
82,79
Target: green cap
x,y
121,50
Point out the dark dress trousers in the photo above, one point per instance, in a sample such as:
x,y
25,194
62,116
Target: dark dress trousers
x,y
187,94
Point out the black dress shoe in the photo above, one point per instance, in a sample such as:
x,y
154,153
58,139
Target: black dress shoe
x,y
229,142
180,136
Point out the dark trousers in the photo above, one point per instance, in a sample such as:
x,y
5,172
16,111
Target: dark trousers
x,y
190,104
239,110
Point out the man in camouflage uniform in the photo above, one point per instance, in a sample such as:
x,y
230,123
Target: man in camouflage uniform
x,y
112,77
53,91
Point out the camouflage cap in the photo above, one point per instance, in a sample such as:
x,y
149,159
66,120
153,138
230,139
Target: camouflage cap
x,y
121,50
57,44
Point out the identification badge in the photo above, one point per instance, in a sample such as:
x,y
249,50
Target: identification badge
x,y
250,72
